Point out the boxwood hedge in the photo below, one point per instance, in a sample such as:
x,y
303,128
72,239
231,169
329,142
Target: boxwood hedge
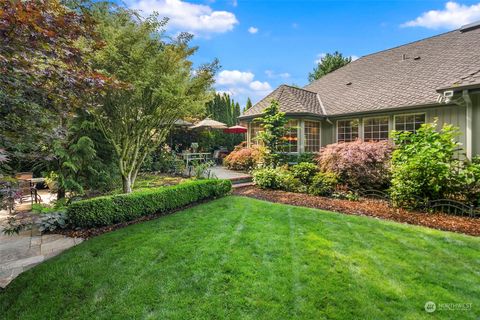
x,y
107,210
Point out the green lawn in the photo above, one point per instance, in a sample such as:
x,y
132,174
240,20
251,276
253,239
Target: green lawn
x,y
239,258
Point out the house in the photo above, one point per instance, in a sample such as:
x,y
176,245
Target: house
x,y
398,88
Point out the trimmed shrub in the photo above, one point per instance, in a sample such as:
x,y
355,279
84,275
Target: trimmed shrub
x,y
244,159
323,184
276,178
107,210
304,171
362,165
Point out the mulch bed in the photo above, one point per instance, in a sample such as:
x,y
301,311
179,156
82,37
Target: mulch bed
x,y
367,207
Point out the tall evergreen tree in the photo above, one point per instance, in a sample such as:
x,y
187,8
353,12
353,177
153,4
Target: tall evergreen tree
x,y
330,62
249,104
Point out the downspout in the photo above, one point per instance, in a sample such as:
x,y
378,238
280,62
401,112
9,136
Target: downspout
x,y
469,123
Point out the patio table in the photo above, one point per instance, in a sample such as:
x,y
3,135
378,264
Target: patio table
x,y
192,156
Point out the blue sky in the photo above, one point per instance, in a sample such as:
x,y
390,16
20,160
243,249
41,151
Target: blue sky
x,y
262,44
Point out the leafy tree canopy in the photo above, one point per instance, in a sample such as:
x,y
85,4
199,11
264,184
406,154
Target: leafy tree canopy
x,y
162,87
330,62
273,123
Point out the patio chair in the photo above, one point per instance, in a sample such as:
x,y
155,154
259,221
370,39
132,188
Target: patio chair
x,y
216,156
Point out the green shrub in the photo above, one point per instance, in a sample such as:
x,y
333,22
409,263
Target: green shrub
x,y
289,158
323,184
277,179
467,183
358,164
244,159
103,211
304,171
424,164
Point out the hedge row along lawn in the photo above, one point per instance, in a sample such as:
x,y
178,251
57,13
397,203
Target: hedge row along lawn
x,y
107,210
240,258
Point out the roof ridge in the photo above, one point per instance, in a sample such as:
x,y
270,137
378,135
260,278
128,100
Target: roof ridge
x,y
408,43
293,87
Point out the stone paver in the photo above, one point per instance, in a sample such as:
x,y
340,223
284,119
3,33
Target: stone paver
x,y
21,252
224,173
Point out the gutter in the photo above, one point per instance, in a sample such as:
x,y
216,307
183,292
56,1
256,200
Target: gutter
x,y
288,114
469,123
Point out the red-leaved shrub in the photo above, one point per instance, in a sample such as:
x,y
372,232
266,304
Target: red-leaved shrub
x,y
243,158
358,164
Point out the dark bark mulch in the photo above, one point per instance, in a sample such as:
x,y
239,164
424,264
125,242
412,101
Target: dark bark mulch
x,y
367,207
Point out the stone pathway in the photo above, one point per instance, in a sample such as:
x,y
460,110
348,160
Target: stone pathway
x,y
27,249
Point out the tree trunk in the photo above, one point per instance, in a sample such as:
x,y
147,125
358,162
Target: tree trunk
x,y
127,184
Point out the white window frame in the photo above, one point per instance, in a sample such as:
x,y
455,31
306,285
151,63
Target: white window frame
x,y
405,115
376,117
350,119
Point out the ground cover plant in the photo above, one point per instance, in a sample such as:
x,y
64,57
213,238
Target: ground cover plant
x,y
240,258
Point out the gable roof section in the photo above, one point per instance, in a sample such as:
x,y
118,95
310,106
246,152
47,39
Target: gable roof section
x,y
290,99
404,76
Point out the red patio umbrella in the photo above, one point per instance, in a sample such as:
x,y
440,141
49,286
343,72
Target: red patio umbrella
x,y
235,129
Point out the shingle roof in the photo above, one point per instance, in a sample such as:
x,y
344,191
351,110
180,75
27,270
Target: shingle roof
x,y
290,99
403,76
472,79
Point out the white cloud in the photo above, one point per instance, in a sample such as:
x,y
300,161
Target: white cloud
x,y
260,86
241,84
273,75
253,30
230,93
354,57
229,77
453,16
185,16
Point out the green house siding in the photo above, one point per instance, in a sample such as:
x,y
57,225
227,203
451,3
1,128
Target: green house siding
x,y
475,124
328,133
455,115
446,114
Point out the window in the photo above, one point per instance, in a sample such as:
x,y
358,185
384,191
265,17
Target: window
x,y
312,136
347,130
291,137
409,122
375,129
255,128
